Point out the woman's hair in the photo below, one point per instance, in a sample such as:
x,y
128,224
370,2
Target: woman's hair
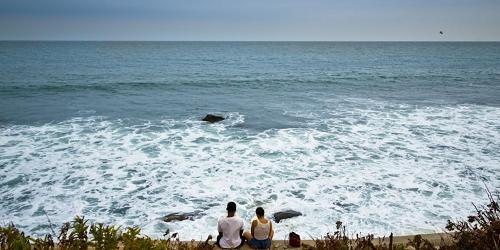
x,y
259,211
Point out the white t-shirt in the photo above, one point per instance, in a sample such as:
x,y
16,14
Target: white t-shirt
x,y
230,228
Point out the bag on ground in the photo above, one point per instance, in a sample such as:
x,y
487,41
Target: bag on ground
x,y
294,239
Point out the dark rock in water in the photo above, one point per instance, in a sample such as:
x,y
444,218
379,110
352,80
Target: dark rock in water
x,y
278,216
175,217
213,118
181,216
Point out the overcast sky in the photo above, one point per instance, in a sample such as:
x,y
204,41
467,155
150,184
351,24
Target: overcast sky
x,y
264,20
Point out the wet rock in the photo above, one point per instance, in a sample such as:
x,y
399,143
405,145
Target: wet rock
x,y
181,216
175,217
278,216
213,118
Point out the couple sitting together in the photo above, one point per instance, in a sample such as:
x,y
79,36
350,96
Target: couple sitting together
x,y
231,233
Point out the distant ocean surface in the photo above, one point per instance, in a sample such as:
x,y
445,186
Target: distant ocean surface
x,y
386,137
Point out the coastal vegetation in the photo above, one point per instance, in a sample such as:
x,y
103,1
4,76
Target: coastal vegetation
x,y
480,231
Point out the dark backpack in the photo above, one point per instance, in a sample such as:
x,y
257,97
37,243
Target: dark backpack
x,y
294,239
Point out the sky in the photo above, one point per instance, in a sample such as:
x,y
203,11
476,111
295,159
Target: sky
x,y
251,20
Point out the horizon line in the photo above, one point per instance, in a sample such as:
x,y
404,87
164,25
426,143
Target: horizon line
x,y
304,41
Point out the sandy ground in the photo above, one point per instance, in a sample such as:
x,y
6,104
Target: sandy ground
x,y
436,239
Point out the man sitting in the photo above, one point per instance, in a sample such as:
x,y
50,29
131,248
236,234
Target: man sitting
x,y
230,229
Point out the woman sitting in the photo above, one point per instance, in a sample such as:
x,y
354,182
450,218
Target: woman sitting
x,y
262,232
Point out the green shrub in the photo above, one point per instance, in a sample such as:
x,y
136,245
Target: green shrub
x,y
104,237
46,243
12,238
480,231
132,241
74,235
420,243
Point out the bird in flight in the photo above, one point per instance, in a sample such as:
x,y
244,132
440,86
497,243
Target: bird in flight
x,y
441,32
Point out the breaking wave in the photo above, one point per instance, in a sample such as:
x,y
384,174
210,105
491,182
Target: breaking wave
x,y
379,167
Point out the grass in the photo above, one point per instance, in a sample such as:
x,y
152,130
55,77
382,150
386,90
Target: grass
x,y
338,240
480,231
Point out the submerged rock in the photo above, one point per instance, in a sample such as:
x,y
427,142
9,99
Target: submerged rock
x,y
213,118
181,216
278,216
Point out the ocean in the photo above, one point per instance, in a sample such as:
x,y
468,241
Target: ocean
x,y
384,136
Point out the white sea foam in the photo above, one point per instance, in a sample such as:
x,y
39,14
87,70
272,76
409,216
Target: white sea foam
x,y
378,167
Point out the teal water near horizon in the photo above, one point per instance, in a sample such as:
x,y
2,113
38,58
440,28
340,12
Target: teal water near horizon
x,y
385,136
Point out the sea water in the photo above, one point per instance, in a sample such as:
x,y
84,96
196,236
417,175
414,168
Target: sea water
x,y
386,137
